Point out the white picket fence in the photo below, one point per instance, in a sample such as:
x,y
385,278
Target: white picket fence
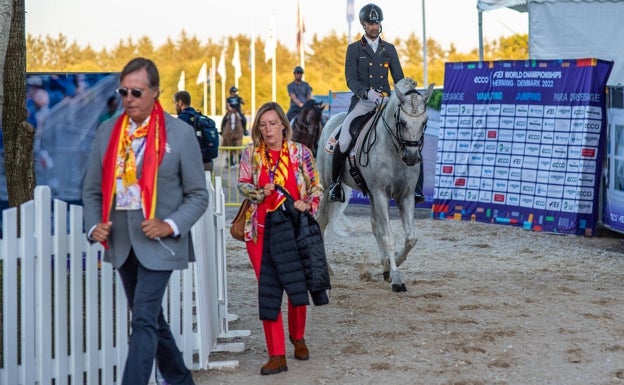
x,y
64,312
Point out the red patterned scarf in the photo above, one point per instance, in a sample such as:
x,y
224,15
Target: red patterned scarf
x,y
277,170
154,151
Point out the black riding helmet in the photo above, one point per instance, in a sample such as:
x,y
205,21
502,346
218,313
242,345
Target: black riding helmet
x,y
298,70
233,89
371,13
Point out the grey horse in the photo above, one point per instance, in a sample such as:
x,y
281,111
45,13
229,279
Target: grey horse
x,y
388,158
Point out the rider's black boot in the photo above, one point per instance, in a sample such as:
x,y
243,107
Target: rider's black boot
x,y
336,193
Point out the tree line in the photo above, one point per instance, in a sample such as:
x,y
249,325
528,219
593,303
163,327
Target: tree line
x,y
324,61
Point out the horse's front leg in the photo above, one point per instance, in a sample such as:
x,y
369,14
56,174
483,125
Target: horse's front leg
x,y
380,222
406,211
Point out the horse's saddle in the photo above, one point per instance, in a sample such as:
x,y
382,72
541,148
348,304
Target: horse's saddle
x,y
356,129
359,129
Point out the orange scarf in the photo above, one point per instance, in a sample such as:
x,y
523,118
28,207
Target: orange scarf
x,y
155,140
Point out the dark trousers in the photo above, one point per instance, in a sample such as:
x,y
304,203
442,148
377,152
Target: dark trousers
x,y
151,337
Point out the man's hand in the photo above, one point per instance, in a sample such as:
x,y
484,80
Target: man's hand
x,y
374,96
101,231
156,228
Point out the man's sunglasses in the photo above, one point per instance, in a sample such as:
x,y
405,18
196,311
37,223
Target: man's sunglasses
x,y
136,92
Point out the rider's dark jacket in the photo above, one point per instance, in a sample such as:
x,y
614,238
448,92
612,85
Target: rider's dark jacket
x,y
365,69
235,102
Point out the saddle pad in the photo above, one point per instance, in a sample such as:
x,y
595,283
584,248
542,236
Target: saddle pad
x,y
333,139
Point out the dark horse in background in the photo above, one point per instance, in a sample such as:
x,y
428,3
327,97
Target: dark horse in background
x,y
308,124
388,158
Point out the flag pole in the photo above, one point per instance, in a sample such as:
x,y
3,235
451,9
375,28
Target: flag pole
x,y
213,89
273,76
273,60
202,78
222,74
425,70
269,54
300,31
223,109
252,62
236,64
206,97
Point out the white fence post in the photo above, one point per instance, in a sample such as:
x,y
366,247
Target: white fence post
x,y
69,309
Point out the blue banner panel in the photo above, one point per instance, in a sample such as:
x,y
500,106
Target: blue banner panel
x,y
65,110
520,143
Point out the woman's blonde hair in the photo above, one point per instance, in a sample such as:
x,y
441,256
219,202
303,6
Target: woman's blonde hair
x,y
256,135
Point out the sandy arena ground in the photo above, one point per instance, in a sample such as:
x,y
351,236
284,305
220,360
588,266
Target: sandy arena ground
x,y
486,304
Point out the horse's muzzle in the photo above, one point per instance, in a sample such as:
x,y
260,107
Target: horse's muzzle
x,y
411,157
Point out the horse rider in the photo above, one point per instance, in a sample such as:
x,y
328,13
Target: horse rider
x,y
299,92
234,103
366,70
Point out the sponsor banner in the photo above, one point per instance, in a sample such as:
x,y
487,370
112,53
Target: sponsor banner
x,y
520,142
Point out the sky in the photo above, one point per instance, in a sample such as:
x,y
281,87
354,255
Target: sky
x,y
102,24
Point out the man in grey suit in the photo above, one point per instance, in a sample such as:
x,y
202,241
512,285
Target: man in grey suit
x,y
143,190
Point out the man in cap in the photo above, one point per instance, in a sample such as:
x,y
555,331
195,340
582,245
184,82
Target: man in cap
x,y
299,92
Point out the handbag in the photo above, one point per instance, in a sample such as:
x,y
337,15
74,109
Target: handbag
x,y
237,229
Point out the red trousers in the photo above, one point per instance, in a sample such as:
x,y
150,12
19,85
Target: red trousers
x,y
274,330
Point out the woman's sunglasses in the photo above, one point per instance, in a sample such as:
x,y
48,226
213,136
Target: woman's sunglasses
x,y
136,92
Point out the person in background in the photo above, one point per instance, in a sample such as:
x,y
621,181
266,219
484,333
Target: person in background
x,y
144,188
367,63
235,103
272,162
299,92
112,103
182,101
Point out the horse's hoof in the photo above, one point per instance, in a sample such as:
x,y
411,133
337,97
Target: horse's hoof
x,y
386,275
398,288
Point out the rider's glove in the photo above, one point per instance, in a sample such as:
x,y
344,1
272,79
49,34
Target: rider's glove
x,y
374,96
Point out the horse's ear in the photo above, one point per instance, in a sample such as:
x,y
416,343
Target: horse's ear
x,y
399,94
429,91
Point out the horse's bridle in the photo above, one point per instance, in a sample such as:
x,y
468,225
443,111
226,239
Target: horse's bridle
x,y
399,143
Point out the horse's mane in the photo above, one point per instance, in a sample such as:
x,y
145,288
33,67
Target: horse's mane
x,y
406,88
310,103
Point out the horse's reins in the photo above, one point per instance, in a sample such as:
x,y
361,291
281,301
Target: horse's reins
x,y
398,136
398,142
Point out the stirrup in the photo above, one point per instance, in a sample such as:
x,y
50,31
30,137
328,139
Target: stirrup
x,y
336,193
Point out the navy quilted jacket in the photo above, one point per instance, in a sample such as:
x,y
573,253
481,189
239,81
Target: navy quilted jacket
x,y
293,259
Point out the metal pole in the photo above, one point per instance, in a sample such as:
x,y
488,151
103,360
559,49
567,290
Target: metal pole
x,y
480,35
425,77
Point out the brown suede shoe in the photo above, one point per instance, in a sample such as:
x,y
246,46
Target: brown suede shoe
x,y
301,350
275,365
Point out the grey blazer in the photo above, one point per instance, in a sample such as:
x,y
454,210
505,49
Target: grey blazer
x,y
181,197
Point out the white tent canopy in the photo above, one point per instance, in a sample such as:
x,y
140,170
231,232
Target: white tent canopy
x,y
489,5
571,29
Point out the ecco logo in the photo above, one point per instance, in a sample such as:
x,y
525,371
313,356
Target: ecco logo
x,y
481,80
592,126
